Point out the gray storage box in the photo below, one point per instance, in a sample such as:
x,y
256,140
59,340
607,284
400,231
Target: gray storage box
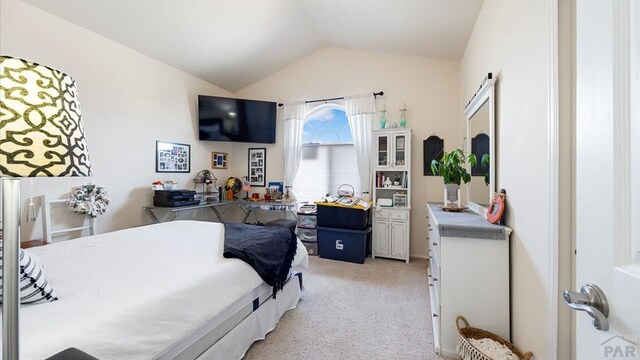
x,y
308,235
307,221
312,248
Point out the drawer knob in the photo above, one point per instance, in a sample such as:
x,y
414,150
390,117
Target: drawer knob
x,y
435,279
435,315
435,243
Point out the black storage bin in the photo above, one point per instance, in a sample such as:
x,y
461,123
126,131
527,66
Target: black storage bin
x,y
343,217
344,244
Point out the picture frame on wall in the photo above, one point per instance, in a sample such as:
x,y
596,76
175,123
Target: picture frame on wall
x,y
173,157
257,160
219,160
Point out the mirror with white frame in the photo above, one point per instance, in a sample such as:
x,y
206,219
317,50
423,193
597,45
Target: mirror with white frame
x,y
480,140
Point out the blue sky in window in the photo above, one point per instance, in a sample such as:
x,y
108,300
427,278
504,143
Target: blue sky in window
x,y
327,126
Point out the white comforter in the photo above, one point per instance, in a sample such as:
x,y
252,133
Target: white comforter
x,y
157,303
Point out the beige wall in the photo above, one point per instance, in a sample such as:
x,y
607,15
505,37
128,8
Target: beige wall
x,y
511,40
428,87
128,102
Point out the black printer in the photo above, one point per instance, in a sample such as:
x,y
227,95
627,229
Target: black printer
x,y
173,198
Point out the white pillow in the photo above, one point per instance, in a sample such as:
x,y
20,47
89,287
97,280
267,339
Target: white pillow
x,y
34,287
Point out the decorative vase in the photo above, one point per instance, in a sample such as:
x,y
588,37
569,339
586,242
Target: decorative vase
x,y
452,195
403,116
383,119
403,121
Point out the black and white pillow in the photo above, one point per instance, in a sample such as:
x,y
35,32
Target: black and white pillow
x,y
34,287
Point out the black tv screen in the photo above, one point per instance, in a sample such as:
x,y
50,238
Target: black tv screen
x,y
237,120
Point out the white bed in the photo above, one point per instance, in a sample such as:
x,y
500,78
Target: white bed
x,y
177,288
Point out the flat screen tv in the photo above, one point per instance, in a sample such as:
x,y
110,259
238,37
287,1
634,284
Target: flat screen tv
x,y
236,120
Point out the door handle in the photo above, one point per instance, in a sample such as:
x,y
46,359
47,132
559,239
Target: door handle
x,y
592,300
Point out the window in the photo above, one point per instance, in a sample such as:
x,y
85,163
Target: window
x,y
328,157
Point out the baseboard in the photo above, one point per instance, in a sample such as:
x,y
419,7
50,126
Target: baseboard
x,y
450,354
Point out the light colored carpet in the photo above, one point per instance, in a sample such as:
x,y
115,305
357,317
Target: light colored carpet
x,y
379,310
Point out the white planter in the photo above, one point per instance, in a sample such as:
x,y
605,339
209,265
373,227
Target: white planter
x,y
452,195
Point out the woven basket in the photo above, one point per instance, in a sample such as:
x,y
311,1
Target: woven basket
x,y
468,352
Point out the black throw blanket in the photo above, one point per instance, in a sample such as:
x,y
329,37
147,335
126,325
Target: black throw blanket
x,y
269,250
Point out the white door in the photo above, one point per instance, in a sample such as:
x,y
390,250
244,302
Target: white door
x,y
380,238
398,239
607,174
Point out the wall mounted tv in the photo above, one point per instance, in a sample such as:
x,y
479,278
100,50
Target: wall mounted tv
x,y
236,120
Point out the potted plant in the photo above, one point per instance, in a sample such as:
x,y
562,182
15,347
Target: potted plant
x,y
451,167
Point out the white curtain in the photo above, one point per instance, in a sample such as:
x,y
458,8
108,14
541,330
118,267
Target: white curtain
x,y
293,117
361,112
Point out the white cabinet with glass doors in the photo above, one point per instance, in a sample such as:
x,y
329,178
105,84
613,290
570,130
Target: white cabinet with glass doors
x,y
391,193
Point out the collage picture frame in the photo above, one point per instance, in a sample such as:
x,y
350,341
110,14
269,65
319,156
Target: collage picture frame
x,y
257,166
173,157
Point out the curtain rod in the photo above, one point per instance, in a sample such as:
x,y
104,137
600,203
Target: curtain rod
x,y
379,93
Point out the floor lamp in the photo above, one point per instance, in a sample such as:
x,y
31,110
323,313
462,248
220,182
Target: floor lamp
x,y
41,134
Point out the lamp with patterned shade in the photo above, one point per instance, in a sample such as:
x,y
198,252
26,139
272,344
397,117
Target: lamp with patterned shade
x,y
41,134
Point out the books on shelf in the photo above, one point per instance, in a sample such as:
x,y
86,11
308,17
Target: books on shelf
x,y
381,177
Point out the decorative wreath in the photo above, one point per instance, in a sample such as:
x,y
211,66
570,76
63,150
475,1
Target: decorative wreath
x,y
89,200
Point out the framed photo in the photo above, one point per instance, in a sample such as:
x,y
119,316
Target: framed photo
x,y
257,165
173,157
277,184
218,160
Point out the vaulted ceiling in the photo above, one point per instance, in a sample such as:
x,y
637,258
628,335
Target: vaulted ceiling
x,y
232,44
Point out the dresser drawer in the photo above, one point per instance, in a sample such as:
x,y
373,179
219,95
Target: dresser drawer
x,y
434,271
307,221
434,283
308,235
399,215
312,248
382,214
392,214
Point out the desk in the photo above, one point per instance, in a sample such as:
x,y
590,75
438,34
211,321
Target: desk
x,y
248,207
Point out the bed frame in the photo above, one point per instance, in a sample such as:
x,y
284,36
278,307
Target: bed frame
x,y
230,334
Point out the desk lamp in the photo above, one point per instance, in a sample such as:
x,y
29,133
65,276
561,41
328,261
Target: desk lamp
x,y
41,134
246,186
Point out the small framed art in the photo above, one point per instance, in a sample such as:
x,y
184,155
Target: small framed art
x,y
257,166
173,157
218,160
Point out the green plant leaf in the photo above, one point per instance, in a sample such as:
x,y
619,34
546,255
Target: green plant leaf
x,y
484,162
472,160
434,167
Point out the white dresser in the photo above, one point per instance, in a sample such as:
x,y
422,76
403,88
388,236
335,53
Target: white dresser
x,y
468,275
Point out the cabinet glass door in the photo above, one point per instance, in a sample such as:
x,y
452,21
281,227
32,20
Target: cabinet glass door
x,y
383,150
400,151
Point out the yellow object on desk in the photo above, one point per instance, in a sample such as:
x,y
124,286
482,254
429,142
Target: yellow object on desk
x,y
351,203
